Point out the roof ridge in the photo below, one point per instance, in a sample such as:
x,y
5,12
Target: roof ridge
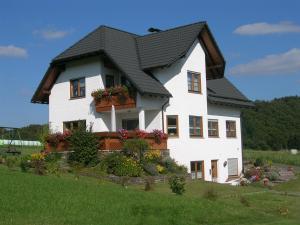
x,y
174,28
124,31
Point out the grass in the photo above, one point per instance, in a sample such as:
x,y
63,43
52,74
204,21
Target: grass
x,y
30,199
282,157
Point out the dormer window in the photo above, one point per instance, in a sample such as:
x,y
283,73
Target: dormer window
x,y
194,82
77,88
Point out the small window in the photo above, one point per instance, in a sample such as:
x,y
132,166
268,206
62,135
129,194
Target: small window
x,y
213,128
77,87
109,81
196,129
74,125
172,126
230,128
194,82
130,124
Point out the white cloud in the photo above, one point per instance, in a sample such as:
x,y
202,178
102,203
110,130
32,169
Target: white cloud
x,y
283,63
13,51
267,28
50,34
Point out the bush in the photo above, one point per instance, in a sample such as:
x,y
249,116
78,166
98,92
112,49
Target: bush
x,y
25,163
53,157
272,176
38,163
210,193
150,168
177,184
153,156
53,167
120,165
84,145
11,162
172,167
128,167
135,148
258,162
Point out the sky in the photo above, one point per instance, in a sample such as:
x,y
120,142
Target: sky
x,y
260,41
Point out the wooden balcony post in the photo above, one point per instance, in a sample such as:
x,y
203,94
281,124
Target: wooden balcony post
x,y
142,119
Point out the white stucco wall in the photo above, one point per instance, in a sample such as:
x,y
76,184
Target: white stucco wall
x,y
185,149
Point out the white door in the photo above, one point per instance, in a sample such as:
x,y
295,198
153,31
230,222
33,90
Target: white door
x,y
232,167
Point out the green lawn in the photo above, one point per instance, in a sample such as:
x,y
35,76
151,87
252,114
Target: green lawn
x,y
30,199
282,157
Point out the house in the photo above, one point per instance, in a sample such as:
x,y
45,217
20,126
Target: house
x,y
178,86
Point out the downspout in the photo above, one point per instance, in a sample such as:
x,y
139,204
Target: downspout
x,y
162,113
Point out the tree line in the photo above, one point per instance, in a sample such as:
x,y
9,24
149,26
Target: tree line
x,y
272,125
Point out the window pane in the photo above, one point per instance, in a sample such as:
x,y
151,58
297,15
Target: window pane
x,y
75,88
82,82
130,124
109,81
172,125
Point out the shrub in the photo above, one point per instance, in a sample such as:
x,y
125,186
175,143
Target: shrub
x,y
100,168
54,139
128,167
272,176
177,184
152,156
38,163
52,157
150,168
135,148
84,145
25,163
149,183
253,174
11,162
112,160
210,193
258,162
53,167
172,167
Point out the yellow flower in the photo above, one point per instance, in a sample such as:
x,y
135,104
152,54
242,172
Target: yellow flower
x,y
38,156
152,154
160,168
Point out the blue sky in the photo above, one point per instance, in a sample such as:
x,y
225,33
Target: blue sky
x,y
259,39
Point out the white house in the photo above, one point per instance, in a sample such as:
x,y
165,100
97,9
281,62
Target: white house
x,y
178,84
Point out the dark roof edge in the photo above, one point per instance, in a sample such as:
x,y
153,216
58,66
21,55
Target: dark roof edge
x,y
240,104
186,25
40,85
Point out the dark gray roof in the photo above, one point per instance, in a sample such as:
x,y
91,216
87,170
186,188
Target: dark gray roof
x,y
120,47
224,92
165,47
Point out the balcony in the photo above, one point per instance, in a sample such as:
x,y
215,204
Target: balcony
x,y
112,141
119,97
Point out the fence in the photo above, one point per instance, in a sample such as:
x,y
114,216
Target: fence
x,y
20,142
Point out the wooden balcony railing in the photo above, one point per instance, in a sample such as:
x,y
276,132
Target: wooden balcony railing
x,y
112,141
119,101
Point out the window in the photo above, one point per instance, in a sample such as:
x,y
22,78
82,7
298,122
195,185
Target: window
x,y
109,81
197,169
230,128
196,129
172,126
77,88
74,125
194,82
130,124
213,128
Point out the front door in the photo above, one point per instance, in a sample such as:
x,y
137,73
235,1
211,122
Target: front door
x,y
214,168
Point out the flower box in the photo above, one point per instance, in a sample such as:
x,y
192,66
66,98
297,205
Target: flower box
x,y
119,101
